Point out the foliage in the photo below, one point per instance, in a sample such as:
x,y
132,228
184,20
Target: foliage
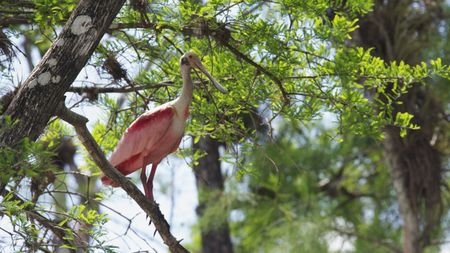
x,y
51,12
29,159
23,216
316,189
315,76
32,169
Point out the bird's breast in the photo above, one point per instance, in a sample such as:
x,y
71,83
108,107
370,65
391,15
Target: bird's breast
x,y
178,124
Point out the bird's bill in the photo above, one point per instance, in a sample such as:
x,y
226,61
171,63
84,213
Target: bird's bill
x,y
203,69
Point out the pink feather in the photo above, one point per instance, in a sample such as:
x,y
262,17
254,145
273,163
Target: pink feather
x,y
140,139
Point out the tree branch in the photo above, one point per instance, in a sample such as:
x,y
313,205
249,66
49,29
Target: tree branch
x,y
98,90
376,241
149,207
137,25
21,3
57,229
17,20
260,68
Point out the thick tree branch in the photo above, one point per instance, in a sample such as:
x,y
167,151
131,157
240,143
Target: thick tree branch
x,y
149,207
42,91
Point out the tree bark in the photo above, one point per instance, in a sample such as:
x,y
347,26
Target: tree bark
x,y
43,90
397,32
209,181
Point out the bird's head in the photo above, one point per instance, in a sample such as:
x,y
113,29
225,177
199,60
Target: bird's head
x,y
191,60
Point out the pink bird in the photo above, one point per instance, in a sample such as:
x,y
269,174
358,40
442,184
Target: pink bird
x,y
157,133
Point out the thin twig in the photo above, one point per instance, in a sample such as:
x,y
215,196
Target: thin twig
x,y
260,68
97,90
142,25
57,229
388,245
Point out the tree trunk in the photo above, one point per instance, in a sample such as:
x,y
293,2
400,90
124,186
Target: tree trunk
x,y
397,31
43,90
416,172
209,181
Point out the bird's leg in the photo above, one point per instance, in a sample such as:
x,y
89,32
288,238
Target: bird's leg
x,y
144,183
150,181
144,180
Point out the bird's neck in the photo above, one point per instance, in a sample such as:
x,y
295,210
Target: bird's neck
x,y
184,100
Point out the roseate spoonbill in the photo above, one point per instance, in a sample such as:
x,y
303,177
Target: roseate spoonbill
x,y
157,133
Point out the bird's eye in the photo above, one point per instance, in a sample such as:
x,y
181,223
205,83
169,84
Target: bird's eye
x,y
190,56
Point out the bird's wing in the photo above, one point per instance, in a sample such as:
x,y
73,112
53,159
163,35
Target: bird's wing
x,y
144,132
